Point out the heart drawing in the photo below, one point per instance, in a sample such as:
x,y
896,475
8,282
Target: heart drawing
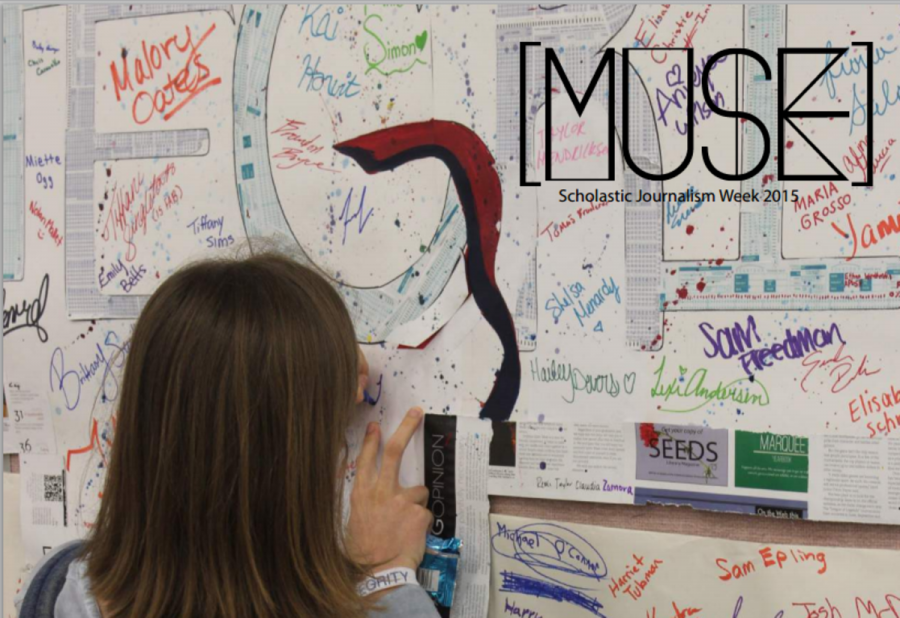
x,y
629,380
421,40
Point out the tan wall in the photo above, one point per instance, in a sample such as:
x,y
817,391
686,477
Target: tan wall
x,y
685,520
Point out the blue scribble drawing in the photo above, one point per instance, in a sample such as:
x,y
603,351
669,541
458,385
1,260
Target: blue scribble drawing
x,y
522,584
369,399
553,552
347,217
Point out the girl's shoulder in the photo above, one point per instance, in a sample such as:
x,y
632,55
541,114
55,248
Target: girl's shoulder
x,y
57,587
409,601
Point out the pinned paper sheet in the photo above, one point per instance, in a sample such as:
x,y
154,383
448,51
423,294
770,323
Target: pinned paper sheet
x,y
45,517
28,421
559,570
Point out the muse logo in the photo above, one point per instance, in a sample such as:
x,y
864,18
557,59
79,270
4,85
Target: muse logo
x,y
785,112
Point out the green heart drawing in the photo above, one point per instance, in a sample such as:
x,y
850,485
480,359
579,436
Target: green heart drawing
x,y
421,39
682,369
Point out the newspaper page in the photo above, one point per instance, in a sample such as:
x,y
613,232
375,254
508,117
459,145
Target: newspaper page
x,y
44,514
28,421
456,473
577,461
833,478
855,478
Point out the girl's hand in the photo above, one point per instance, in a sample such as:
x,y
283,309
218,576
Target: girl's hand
x,y
363,376
388,523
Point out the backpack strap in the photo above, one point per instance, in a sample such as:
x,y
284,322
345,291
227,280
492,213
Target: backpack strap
x,y
47,583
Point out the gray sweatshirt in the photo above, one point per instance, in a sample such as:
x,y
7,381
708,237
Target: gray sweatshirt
x,y
76,601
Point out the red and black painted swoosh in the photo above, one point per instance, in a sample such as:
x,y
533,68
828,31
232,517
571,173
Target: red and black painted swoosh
x,y
478,186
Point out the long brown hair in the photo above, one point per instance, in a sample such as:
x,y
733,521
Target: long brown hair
x,y
222,497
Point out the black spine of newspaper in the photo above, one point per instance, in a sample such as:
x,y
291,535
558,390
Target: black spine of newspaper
x,y
440,478
440,473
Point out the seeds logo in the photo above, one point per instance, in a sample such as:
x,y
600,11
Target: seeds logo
x,y
682,454
392,55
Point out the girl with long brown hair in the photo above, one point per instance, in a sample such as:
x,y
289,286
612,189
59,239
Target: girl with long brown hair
x,y
223,494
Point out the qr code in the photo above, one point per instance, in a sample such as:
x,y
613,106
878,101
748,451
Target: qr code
x,y
54,488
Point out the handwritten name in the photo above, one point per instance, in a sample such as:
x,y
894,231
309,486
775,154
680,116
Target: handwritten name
x,y
206,223
890,96
384,59
563,483
858,158
318,23
891,604
843,369
850,65
28,314
873,405
809,220
731,341
359,215
133,276
106,358
679,91
694,387
558,228
132,206
53,64
686,26
635,578
675,216
48,225
193,78
886,227
316,80
44,160
548,548
574,296
585,149
44,47
514,610
679,613
301,149
105,277
581,382
770,558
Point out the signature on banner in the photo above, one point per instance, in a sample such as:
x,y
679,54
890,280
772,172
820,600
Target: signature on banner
x,y
151,67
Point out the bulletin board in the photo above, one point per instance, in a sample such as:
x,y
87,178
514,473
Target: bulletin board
x,y
672,355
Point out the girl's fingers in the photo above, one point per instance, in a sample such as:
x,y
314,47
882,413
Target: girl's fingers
x,y
361,389
363,363
417,495
363,378
395,447
367,462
